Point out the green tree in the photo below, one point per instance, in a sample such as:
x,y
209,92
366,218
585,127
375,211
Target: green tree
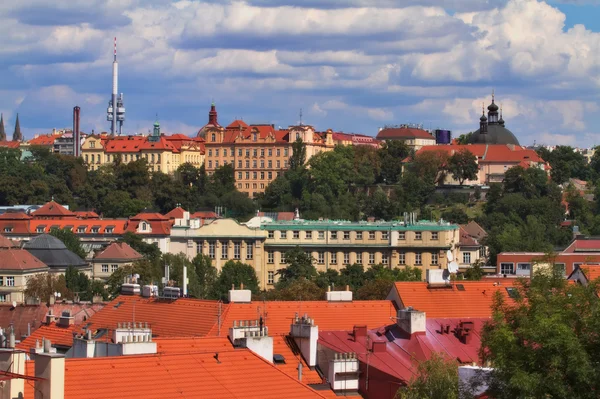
x,y
391,155
234,274
463,166
136,242
437,377
374,290
43,286
207,275
475,272
464,139
77,282
546,343
297,290
298,157
70,239
456,215
299,266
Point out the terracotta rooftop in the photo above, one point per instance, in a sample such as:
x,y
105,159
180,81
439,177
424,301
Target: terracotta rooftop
x,y
6,242
167,318
44,139
475,230
583,245
204,215
119,251
52,209
15,216
461,299
20,260
235,374
278,315
59,336
149,216
591,272
403,133
176,213
490,152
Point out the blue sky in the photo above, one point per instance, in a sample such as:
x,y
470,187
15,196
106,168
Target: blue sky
x,y
350,65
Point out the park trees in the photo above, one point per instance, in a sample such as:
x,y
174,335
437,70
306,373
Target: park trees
x,y
463,166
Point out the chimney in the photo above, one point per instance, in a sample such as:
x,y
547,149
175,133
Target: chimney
x,y
239,296
66,320
360,334
185,281
76,135
50,375
306,334
411,321
13,362
253,335
436,277
343,372
339,296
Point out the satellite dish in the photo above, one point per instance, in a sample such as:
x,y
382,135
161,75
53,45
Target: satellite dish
x,y
58,294
14,304
452,267
450,256
55,293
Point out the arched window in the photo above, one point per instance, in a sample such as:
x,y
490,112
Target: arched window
x,y
158,158
213,137
144,225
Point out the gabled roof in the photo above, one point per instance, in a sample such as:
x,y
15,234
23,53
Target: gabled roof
x,y
15,216
204,215
475,230
19,259
235,373
465,239
6,243
10,144
237,124
176,213
403,133
44,139
583,245
86,215
59,336
119,251
168,318
460,299
278,315
490,153
149,216
52,209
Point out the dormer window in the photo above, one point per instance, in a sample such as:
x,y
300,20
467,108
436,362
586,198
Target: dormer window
x,y
297,136
213,137
8,229
81,229
40,229
144,226
108,230
254,136
95,230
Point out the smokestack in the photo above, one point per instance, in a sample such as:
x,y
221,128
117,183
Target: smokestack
x,y
76,138
184,281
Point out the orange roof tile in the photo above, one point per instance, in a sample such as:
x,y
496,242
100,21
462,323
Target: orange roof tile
x,y
176,213
52,209
591,272
168,318
6,242
20,260
15,216
475,300
285,346
236,374
487,153
278,315
44,139
80,226
10,144
58,336
86,214
119,251
204,215
149,216
192,344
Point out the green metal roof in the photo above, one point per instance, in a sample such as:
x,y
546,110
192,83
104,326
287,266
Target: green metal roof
x,y
344,225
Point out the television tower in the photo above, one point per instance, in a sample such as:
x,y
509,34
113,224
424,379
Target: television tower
x,y
116,110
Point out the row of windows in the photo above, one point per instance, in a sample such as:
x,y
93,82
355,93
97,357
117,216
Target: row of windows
x,y
525,268
333,258
254,152
255,175
254,186
113,268
8,281
358,235
237,250
79,230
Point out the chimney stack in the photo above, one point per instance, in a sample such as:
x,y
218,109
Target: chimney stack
x,y
306,334
76,135
50,374
13,362
412,321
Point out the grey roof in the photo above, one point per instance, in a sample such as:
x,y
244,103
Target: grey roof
x,y
53,252
496,134
45,241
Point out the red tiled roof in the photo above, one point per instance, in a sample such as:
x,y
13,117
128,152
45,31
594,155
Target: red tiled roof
x,y
474,301
15,216
59,336
489,153
278,315
19,259
173,345
236,124
161,144
149,216
176,213
10,144
173,318
465,239
86,215
204,215
44,139
158,227
235,374
591,272
118,225
583,245
403,133
119,251
52,209
6,242
401,352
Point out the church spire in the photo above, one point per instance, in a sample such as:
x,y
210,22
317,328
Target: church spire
x,y
2,131
212,115
17,135
501,121
483,121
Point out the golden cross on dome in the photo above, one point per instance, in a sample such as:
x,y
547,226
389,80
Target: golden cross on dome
x,y
493,95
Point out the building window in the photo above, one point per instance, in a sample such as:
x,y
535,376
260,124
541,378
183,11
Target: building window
x,y
39,229
507,268
239,164
1,280
10,281
224,250
270,257
308,235
210,164
467,258
239,152
359,258
247,164
247,152
283,235
239,175
434,235
216,164
371,258
285,152
418,235
321,258
270,164
523,268
104,268
211,249
384,235
402,235
334,258
2,297
254,164
95,230
384,259
418,260
262,175
113,268
321,235
254,175
92,144
346,235
262,164
346,258
371,235
270,277
247,176
213,137
278,152
249,251
270,152
296,235
108,230
271,234
402,258
434,258
81,229
8,229
262,152
278,164
225,152
334,235
237,250
359,235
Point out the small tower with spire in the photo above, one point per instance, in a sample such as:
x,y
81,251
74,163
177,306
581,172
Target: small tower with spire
x,y
483,124
212,115
501,121
2,131
17,135
493,111
155,136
